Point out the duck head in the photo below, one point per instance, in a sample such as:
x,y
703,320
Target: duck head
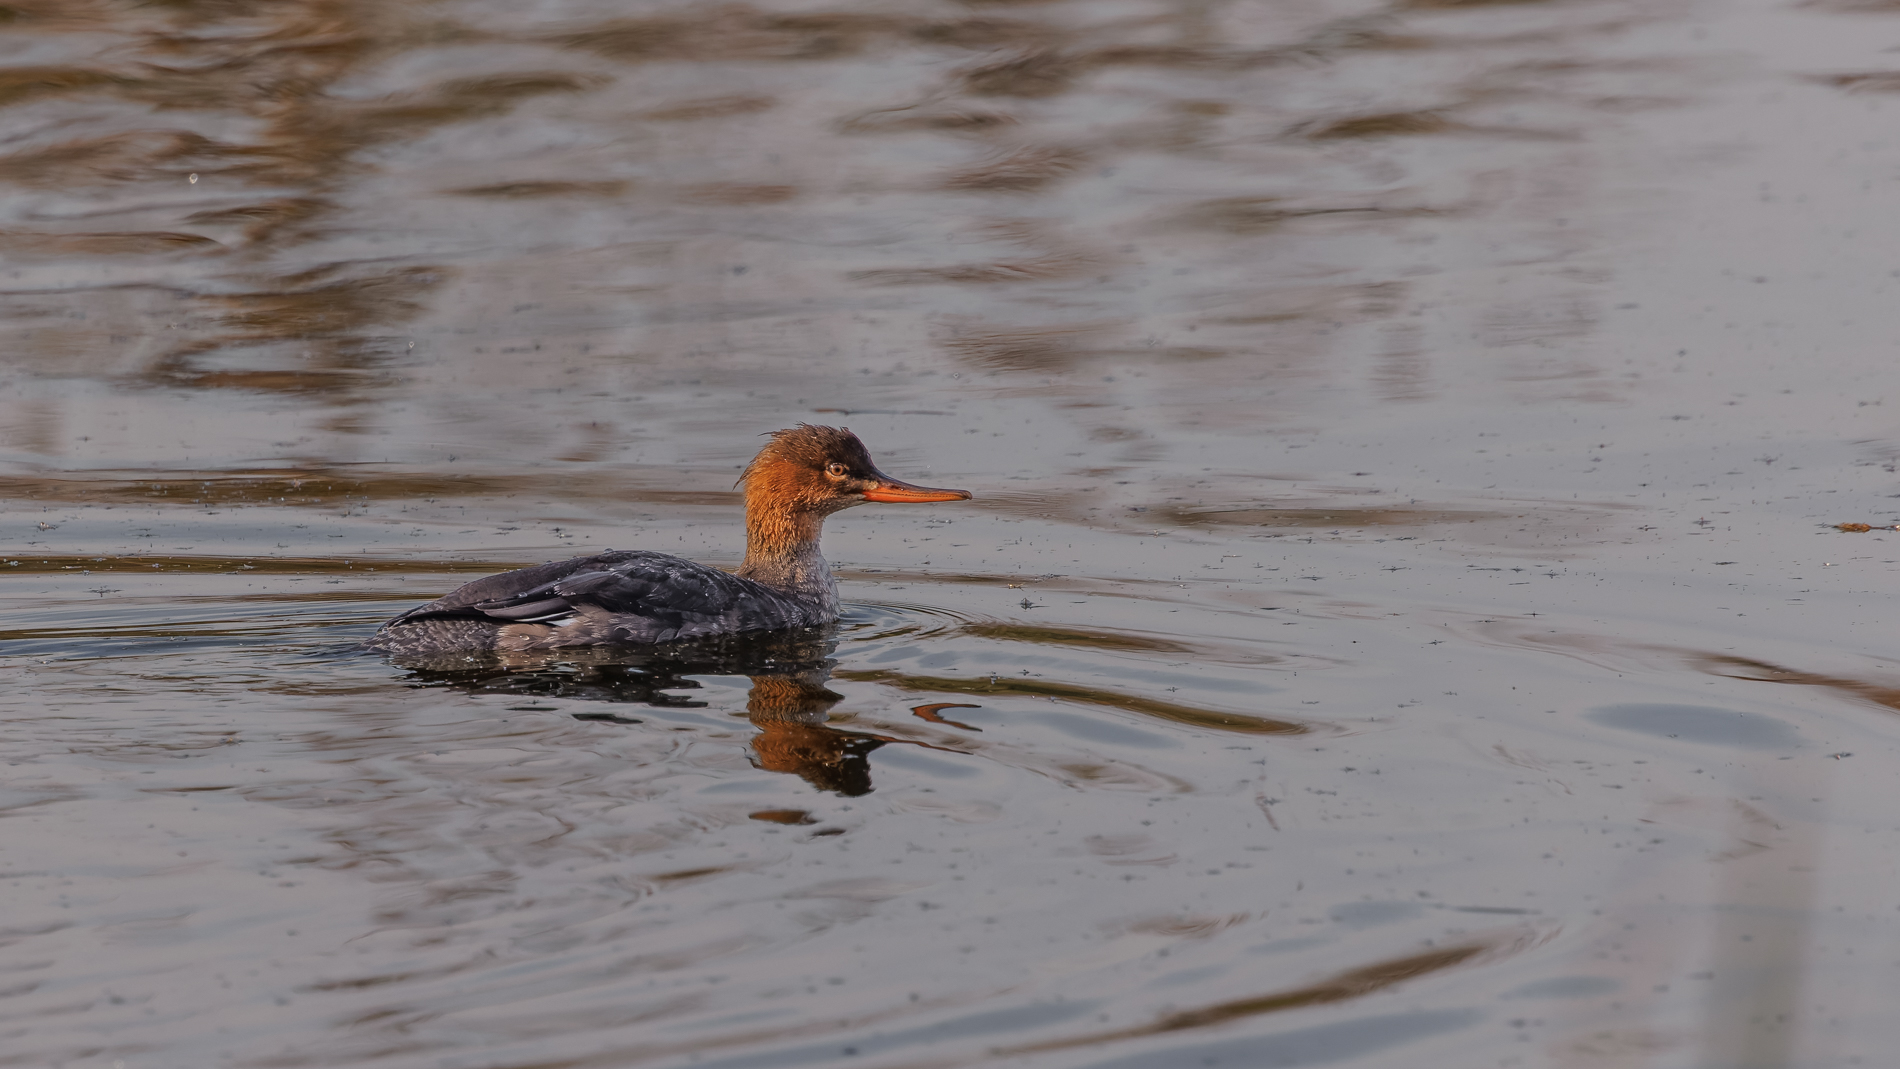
x,y
816,471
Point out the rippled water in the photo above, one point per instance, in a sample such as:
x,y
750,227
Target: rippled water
x,y
1400,622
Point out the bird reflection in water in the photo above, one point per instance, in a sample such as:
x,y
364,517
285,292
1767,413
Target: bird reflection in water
x,y
789,703
790,713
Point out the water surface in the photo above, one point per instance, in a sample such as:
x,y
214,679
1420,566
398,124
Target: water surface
x,y
1400,622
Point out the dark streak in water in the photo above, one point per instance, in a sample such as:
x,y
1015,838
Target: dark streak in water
x,y
25,83
1341,987
1325,517
1179,714
1021,171
507,190
1733,667
917,117
931,713
265,220
1255,215
1385,124
1064,636
731,32
1429,4
783,816
36,243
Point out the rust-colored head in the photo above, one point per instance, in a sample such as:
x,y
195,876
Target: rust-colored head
x,y
819,470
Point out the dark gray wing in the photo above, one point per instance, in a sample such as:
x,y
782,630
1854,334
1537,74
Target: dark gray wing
x,y
628,596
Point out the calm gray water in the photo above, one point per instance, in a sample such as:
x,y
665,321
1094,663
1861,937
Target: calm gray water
x,y
1518,357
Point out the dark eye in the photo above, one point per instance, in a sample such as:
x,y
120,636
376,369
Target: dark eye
x,y
835,470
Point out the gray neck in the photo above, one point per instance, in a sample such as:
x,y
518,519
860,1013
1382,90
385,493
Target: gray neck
x,y
799,570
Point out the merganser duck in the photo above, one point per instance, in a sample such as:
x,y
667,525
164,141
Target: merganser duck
x,y
633,597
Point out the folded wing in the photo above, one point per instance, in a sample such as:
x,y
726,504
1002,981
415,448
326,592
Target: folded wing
x,y
626,596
